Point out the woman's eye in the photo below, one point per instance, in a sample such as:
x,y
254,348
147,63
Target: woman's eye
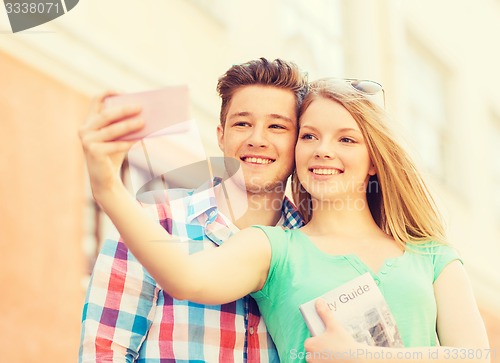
x,y
277,126
307,137
347,140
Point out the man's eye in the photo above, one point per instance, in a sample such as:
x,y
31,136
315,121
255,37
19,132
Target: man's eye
x,y
277,126
241,123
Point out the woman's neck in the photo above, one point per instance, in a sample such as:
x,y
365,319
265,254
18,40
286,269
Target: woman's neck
x,y
343,217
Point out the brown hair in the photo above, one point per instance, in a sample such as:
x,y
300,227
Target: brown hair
x,y
278,73
397,196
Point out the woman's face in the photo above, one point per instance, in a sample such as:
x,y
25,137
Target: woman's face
x,y
331,156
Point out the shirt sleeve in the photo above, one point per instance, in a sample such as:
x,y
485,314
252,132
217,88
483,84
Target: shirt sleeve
x,y
442,256
119,307
278,239
120,302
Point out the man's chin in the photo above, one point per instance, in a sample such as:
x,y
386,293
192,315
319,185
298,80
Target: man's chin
x,y
261,186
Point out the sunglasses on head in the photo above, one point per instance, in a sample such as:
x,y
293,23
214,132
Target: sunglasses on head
x,y
363,86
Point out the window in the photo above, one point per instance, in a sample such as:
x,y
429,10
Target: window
x,y
322,14
427,97
495,142
218,9
313,34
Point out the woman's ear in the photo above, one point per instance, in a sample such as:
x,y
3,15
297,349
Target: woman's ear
x,y
372,171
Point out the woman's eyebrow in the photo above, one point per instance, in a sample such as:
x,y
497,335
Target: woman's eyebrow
x,y
308,127
348,129
344,129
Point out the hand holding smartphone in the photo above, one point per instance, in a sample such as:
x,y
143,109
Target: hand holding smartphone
x,y
165,111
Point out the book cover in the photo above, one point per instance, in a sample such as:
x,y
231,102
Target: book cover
x,y
361,309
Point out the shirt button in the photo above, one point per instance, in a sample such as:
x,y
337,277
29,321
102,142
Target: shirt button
x,y
389,263
251,330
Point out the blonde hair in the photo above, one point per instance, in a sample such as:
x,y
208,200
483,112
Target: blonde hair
x,y
398,197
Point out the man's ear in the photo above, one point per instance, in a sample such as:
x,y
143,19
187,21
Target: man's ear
x,y
220,137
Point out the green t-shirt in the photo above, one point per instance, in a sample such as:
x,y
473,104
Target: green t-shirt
x,y
300,272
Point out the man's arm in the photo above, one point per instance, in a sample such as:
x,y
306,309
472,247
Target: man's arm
x,y
119,307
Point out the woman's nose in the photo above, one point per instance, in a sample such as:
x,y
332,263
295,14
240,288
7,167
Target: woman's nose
x,y
325,152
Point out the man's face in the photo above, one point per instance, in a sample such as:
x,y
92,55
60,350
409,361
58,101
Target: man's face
x,y
261,132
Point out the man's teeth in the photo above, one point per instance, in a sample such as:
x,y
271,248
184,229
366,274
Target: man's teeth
x,y
326,171
258,160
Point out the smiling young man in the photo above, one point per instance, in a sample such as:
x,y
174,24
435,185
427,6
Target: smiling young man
x,y
127,316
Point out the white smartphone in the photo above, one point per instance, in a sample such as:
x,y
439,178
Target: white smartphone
x,y
164,110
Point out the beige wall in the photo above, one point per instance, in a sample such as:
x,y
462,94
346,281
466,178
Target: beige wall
x,y
41,215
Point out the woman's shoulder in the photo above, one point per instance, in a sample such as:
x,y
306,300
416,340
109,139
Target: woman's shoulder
x,y
281,236
430,247
278,231
437,253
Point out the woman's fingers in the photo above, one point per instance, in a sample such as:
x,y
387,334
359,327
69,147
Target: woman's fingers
x,y
100,116
96,121
97,105
109,134
105,125
110,148
118,129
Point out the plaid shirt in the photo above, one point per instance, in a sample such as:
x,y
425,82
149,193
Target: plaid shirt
x,y
127,317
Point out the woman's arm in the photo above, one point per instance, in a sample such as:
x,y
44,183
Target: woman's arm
x,y
460,329
459,323
213,276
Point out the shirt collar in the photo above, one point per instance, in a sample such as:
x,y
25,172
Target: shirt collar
x,y
202,207
202,201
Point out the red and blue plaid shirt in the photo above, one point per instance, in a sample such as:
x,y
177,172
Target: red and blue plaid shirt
x,y
127,317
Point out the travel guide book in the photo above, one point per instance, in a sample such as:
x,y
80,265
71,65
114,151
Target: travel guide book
x,y
361,309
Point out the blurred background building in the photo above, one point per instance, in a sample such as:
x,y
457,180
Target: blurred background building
x,y
437,60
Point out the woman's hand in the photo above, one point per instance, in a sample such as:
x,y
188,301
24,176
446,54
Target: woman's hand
x,y
335,344
104,154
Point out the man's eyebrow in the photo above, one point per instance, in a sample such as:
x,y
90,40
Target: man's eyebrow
x,y
282,117
271,115
239,114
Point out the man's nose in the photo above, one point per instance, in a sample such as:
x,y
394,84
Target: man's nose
x,y
258,138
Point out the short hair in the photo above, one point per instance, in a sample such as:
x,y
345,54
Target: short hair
x,y
397,196
278,73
